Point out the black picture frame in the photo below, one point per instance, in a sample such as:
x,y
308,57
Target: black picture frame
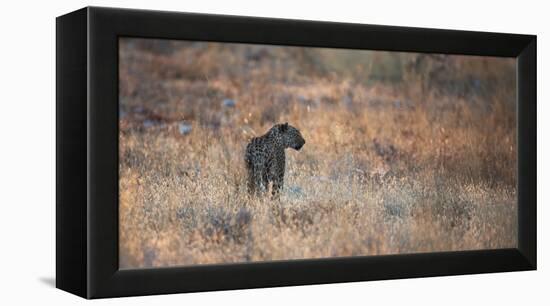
x,y
87,151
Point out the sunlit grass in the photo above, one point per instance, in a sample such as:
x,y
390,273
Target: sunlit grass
x,y
382,172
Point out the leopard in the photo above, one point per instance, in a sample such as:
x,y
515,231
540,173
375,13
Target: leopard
x,y
266,160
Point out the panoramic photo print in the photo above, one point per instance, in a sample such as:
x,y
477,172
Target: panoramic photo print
x,y
234,153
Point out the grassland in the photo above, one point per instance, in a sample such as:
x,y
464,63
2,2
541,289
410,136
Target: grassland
x,y
405,153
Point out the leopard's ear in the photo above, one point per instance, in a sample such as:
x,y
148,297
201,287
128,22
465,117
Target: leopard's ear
x,y
284,127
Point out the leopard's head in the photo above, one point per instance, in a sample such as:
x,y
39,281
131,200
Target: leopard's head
x,y
290,136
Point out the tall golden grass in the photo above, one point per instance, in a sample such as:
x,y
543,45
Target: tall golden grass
x,y
404,153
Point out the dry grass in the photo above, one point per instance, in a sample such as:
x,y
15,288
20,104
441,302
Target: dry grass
x,y
410,165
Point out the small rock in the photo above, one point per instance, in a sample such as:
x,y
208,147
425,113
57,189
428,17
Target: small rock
x,y
477,83
148,123
229,103
185,128
243,217
394,209
348,101
296,191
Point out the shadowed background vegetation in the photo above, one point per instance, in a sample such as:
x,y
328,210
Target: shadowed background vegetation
x,y
405,152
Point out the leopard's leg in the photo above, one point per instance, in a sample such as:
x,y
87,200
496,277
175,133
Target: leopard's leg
x,y
277,173
265,181
251,182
